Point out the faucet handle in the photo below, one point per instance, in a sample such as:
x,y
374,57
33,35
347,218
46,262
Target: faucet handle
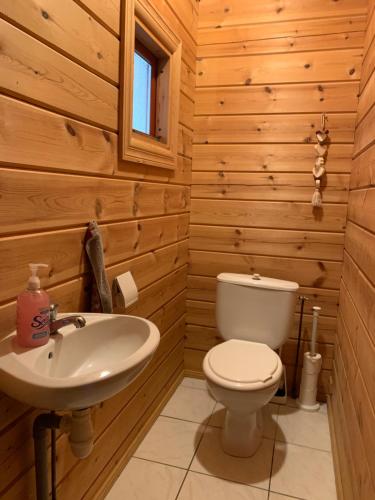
x,y
53,309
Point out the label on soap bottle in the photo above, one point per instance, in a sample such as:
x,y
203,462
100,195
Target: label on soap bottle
x,y
40,324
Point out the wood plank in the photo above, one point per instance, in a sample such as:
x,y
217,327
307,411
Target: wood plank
x,y
366,99
271,128
37,73
280,45
64,253
73,296
284,98
262,214
185,141
362,293
354,451
362,345
234,12
153,266
320,66
360,246
187,13
108,11
310,273
32,201
283,243
273,187
368,51
35,137
363,172
364,135
187,80
362,404
154,296
30,136
361,209
302,27
203,288
181,175
70,30
267,157
186,111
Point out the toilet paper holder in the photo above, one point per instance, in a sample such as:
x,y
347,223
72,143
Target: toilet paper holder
x,y
125,291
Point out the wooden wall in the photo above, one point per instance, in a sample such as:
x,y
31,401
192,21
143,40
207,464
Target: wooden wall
x,y
354,368
59,80
265,73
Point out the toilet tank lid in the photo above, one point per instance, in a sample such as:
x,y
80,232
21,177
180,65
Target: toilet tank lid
x,y
258,281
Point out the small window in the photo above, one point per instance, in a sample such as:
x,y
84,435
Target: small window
x,y
144,90
150,88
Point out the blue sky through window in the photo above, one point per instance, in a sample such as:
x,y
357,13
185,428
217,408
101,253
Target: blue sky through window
x,y
142,94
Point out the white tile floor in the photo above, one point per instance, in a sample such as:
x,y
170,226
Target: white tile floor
x,y
181,457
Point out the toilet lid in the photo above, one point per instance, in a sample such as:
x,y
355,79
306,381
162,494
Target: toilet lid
x,y
244,362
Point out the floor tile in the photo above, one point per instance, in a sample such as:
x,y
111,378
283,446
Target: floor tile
x,y
269,418
211,459
202,487
278,496
171,442
196,383
189,403
304,428
163,482
303,472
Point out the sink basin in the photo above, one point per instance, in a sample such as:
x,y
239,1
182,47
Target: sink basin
x,y
78,368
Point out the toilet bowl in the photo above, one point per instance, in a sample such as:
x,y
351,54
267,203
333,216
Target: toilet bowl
x,y
243,376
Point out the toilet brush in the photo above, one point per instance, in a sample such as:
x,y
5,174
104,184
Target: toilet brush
x,y
312,364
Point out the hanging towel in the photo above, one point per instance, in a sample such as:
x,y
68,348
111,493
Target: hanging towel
x,y
100,292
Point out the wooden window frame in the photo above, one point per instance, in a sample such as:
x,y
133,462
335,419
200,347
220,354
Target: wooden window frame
x,y
148,56
144,23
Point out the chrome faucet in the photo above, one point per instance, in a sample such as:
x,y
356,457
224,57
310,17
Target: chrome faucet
x,y
55,324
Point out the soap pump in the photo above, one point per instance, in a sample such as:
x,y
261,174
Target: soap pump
x,y
33,309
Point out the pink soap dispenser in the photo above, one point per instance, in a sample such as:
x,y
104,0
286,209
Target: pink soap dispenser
x,y
33,312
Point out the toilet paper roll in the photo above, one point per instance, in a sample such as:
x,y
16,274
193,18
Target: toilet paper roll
x,y
125,289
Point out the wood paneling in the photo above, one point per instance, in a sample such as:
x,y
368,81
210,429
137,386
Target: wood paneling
x,y
291,215
267,157
69,29
33,71
59,168
320,66
270,128
354,377
213,13
265,73
289,98
282,29
106,11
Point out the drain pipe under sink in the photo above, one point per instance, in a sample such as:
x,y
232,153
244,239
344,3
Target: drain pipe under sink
x,y
81,438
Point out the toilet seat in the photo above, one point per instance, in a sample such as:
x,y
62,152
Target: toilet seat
x,y
243,365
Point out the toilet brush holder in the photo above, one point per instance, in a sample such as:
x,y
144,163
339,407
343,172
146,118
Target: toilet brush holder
x,y
312,364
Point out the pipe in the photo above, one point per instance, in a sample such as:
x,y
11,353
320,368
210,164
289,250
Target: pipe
x,y
43,422
81,438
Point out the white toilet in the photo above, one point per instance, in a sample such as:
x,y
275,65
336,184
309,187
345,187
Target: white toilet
x,y
254,316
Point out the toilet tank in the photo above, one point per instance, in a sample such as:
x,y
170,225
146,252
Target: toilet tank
x,y
255,308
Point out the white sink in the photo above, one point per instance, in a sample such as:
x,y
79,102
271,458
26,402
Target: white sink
x,y
78,368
